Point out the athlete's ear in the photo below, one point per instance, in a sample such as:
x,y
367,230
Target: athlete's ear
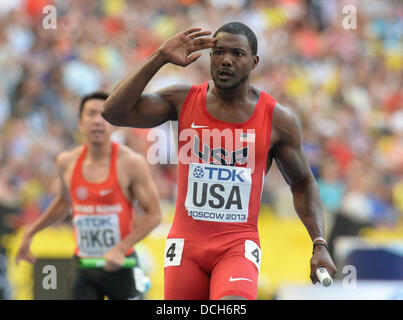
x,y
255,62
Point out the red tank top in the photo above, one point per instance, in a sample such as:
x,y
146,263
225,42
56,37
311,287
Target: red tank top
x,y
221,170
102,215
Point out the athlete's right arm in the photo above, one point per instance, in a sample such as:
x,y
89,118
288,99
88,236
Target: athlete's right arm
x,y
57,211
128,106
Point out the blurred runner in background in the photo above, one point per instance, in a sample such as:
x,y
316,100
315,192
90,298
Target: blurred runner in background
x,y
100,180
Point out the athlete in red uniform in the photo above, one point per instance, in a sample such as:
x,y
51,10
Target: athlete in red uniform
x,y
102,214
99,181
229,134
218,203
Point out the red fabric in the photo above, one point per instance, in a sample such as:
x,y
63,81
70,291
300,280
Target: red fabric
x,y
93,194
215,234
211,283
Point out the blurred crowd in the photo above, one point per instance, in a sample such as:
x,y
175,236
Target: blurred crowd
x,y
344,84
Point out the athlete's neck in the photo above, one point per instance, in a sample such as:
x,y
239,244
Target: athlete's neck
x,y
99,151
238,93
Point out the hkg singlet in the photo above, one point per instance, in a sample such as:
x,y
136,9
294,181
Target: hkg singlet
x,y
102,215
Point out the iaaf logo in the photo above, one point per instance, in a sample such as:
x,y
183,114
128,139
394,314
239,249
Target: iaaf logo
x,y
229,147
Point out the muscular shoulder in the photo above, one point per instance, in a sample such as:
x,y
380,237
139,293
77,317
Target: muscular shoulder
x,y
175,95
286,126
175,91
67,158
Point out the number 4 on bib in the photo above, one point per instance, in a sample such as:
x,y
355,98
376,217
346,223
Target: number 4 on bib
x,y
253,253
173,252
256,254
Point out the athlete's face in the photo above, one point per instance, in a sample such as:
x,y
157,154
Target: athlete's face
x,y
93,125
231,60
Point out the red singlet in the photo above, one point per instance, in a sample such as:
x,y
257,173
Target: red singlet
x,y
102,215
213,248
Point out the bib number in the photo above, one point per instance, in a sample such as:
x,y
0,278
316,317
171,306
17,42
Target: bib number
x,y
96,235
253,253
173,252
218,193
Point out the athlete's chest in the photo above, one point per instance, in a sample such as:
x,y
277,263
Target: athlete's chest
x,y
203,140
97,182
233,113
96,172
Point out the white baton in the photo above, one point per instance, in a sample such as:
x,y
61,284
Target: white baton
x,y
323,276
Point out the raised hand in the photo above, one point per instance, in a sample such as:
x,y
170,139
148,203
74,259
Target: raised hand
x,y
178,48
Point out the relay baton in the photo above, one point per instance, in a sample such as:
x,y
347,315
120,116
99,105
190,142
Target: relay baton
x,y
323,276
100,262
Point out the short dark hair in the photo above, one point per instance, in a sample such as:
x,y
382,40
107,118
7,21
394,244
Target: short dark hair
x,y
95,95
240,28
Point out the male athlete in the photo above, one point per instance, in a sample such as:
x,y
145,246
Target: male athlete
x,y
229,134
99,181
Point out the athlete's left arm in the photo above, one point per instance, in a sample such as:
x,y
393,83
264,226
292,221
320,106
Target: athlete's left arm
x,y
144,190
291,160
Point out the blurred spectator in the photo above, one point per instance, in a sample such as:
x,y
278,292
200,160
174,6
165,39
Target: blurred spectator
x,y
331,189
